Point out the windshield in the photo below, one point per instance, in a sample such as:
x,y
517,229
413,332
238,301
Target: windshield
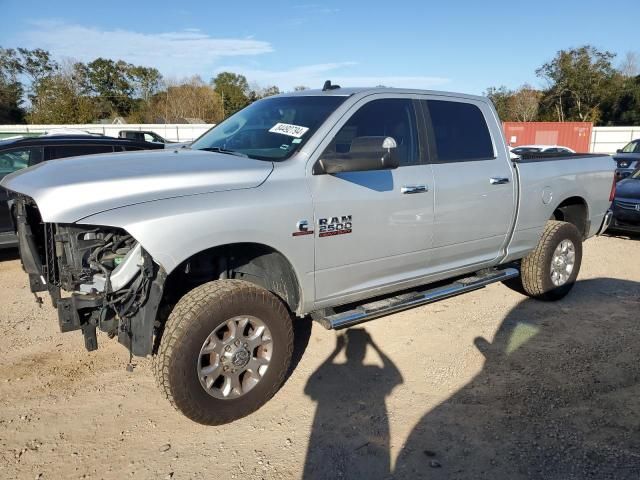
x,y
633,147
270,129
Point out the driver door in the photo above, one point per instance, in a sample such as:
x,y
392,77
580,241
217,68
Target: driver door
x,y
373,228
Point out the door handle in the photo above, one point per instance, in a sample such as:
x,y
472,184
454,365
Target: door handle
x,y
407,189
498,180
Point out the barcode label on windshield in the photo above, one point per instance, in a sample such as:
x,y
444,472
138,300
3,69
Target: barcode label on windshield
x,y
290,130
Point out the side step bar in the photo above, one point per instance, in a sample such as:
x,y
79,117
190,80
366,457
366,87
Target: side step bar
x,y
369,311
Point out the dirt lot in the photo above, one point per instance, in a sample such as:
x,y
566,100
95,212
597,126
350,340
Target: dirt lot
x,y
487,385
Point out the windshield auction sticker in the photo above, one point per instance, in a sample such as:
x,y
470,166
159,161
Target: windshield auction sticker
x,y
290,130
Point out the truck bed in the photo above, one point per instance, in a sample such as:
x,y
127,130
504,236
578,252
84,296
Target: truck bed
x,y
583,177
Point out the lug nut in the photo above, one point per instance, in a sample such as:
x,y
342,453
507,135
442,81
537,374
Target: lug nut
x,y
237,343
227,348
245,345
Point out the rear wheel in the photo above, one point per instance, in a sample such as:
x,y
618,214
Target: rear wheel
x,y
225,351
550,271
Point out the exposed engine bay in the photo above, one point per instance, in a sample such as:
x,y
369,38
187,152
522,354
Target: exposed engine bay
x,y
113,283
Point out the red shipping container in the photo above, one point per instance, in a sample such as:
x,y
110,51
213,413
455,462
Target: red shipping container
x,y
575,135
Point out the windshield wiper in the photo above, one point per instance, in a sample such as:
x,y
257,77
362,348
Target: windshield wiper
x,y
224,150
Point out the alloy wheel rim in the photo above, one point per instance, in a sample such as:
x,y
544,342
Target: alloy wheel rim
x,y
562,262
235,357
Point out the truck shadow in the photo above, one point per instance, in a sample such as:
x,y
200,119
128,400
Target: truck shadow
x,y
623,234
9,254
558,398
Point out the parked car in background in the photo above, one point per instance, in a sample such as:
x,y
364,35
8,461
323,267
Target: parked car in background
x,y
541,149
627,159
19,153
142,136
626,204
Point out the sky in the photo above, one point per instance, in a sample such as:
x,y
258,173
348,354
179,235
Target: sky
x,y
463,46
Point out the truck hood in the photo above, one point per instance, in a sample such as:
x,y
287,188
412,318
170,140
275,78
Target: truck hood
x,y
70,189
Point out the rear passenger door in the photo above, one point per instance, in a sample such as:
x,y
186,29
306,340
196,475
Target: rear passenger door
x,y
473,183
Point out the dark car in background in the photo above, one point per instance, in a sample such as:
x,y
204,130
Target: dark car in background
x,y
142,136
626,204
627,159
18,153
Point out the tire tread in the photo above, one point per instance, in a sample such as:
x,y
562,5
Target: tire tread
x,y
186,314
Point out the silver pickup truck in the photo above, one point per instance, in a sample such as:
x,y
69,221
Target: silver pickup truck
x,y
342,205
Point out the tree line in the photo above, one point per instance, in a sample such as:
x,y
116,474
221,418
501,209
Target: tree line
x,y
35,88
582,85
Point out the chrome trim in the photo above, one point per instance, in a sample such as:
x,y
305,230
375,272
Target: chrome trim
x,y
628,205
606,222
403,302
498,180
409,189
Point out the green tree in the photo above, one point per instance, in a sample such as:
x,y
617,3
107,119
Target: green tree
x,y
189,98
63,98
579,80
146,81
622,106
500,97
233,88
11,90
110,80
36,64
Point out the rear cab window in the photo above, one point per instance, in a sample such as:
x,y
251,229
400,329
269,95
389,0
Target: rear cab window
x,y
458,131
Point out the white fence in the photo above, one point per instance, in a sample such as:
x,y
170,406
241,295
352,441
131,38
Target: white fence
x,y
603,139
609,139
170,131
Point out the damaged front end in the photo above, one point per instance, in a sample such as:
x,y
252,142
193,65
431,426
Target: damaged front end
x,y
97,277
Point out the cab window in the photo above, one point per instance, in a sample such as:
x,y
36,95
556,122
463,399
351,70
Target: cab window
x,y
389,117
459,131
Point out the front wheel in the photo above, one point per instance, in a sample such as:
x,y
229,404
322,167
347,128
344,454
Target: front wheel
x,y
550,271
225,351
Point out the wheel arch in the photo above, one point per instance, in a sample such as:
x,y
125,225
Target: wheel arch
x,y
575,210
256,263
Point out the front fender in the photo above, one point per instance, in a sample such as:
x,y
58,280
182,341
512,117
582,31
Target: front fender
x,y
173,230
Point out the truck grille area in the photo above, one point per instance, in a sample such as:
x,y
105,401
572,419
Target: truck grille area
x,y
628,205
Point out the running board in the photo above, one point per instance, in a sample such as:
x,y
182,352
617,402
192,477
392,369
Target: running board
x,y
369,311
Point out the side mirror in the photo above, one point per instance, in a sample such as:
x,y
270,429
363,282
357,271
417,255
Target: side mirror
x,y
366,153
619,150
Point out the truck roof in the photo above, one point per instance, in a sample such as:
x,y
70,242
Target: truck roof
x,y
347,92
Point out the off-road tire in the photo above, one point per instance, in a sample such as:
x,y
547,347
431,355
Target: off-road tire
x,y
535,269
194,317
